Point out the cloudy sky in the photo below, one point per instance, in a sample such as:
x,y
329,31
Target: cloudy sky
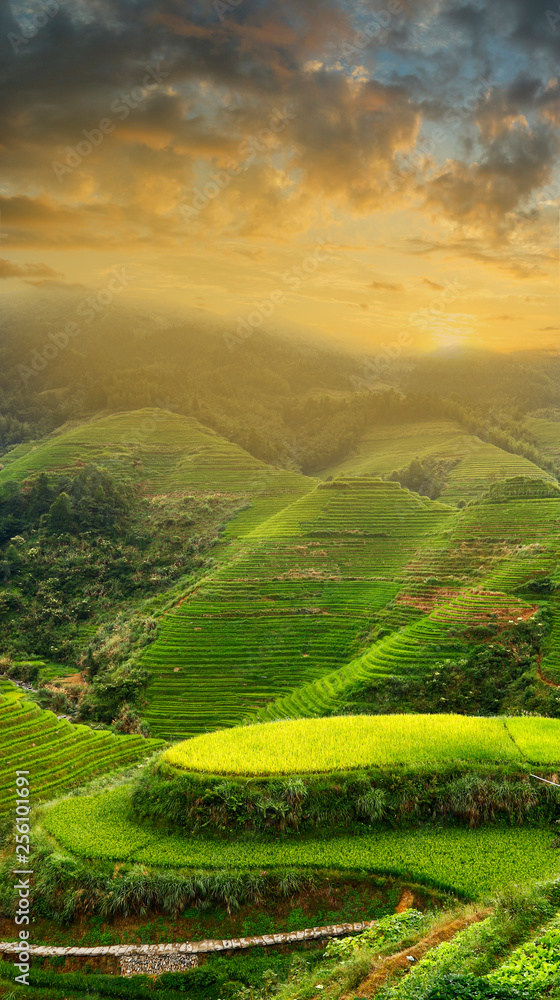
x,y
366,170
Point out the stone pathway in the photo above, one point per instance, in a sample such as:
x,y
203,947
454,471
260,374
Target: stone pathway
x,y
154,965
190,947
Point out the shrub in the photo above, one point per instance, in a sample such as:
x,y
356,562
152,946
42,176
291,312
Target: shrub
x,y
361,799
391,930
128,722
457,987
110,688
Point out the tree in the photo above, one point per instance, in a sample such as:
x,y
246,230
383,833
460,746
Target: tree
x,y
91,664
100,503
128,722
111,688
60,517
40,496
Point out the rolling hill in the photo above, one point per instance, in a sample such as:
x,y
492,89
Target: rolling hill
x,y
322,596
255,594
292,605
165,455
473,463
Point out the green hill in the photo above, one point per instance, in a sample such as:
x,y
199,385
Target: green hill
x,y
293,604
165,455
547,434
162,492
461,590
472,464
276,595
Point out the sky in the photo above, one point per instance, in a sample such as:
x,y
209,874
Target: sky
x,y
379,173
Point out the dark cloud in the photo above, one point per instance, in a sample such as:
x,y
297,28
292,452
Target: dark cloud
x,y
521,94
224,78
56,286
385,286
32,272
530,24
494,192
517,261
466,17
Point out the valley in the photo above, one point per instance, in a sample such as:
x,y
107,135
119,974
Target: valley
x,y
366,655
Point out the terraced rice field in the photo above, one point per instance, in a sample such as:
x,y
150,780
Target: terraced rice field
x,y
494,543
484,465
58,754
276,633
550,664
520,521
547,435
409,651
102,826
287,624
290,607
349,742
383,449
164,453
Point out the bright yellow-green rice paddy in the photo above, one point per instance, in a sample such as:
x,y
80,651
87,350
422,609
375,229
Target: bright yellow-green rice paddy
x,y
303,746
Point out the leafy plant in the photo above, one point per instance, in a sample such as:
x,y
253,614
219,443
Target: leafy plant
x,y
390,930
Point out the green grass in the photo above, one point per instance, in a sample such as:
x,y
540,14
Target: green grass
x,y
473,863
538,739
58,755
320,745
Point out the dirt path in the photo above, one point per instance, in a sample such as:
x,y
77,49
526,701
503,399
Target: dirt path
x,y
541,676
401,961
